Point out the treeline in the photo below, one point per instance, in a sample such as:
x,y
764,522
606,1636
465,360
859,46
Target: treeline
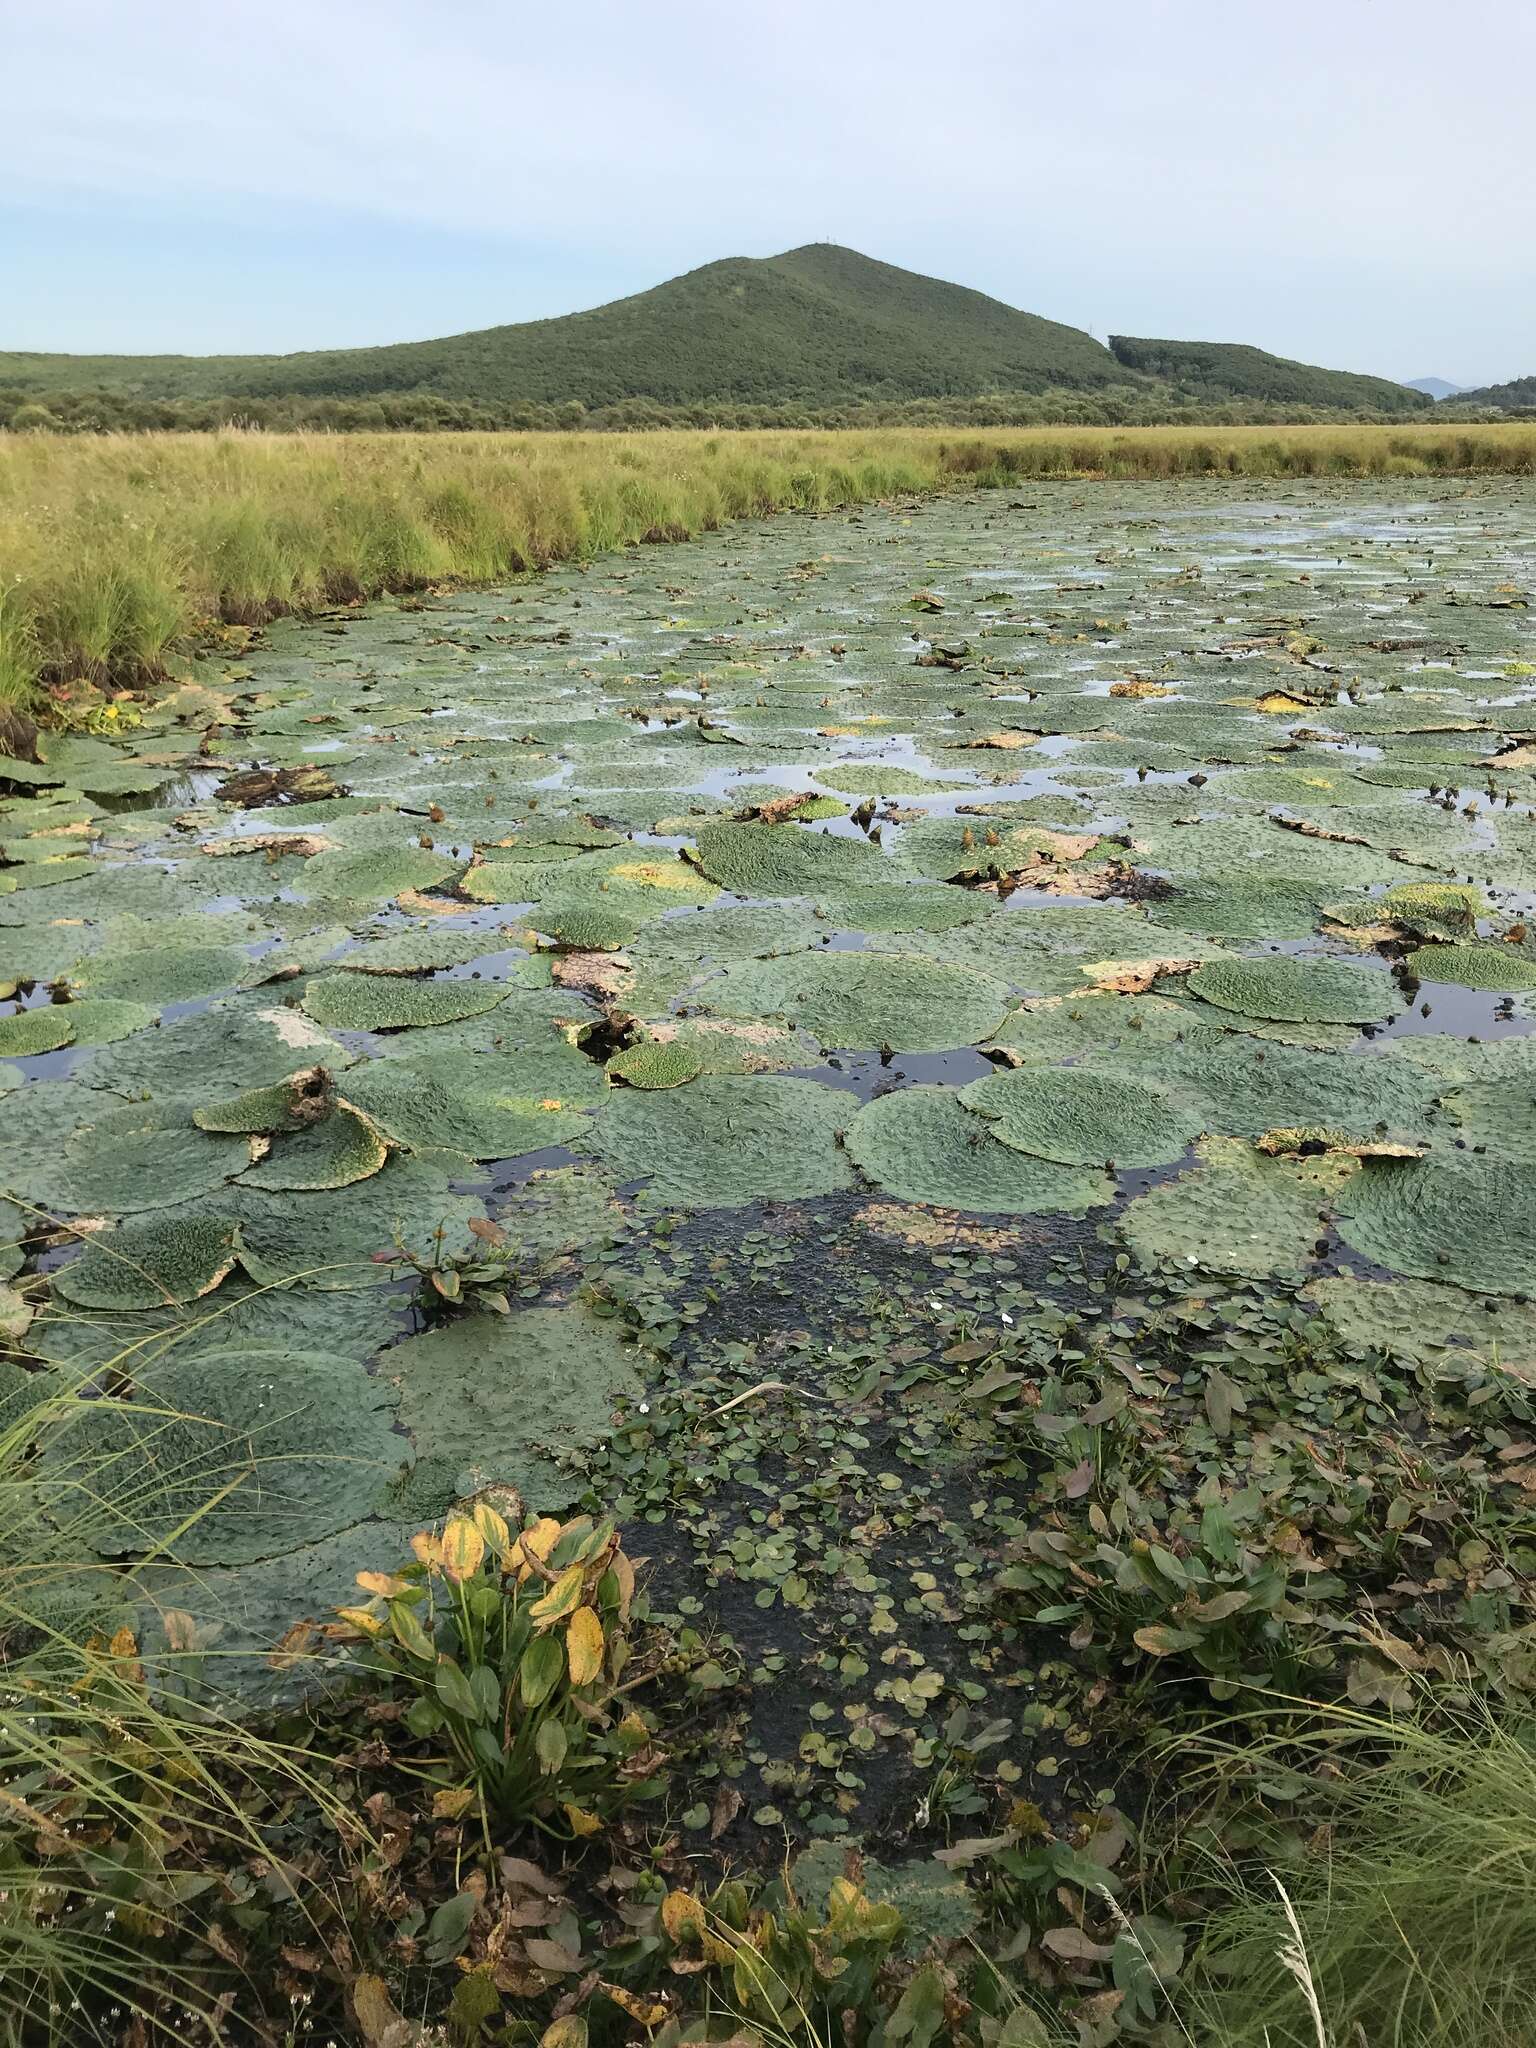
x,y
416,412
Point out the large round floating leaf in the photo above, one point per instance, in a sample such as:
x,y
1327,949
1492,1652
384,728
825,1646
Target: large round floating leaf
x,y
105,1020
1464,1219
1495,968
865,1000
952,849
139,1156
367,1002
924,1145
1296,991
1244,1086
242,1614
1498,1115
159,975
1422,1320
906,907
332,1239
1083,1117
883,778
159,1262
421,950
1090,1026
785,860
374,874
727,1139
341,1149
43,1029
229,1456
219,1053
1238,1211
649,1065
562,1209
500,1400
484,1105
1243,907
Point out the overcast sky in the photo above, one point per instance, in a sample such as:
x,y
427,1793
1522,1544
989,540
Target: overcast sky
x,y
1346,181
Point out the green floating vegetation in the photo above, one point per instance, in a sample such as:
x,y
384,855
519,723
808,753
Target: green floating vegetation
x,y
1084,1117
504,1401
649,1065
857,1001
1295,991
485,1105
1467,1220
1495,968
43,1029
924,1145
724,1140
1238,1211
160,1261
785,860
359,1002
229,1456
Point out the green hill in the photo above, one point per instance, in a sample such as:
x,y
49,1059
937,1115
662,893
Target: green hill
x,y
819,324
1230,369
1519,395
817,334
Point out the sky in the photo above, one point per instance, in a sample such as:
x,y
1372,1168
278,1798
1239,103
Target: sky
x,y
1349,182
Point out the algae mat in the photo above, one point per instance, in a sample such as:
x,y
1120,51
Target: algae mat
x,y
1160,887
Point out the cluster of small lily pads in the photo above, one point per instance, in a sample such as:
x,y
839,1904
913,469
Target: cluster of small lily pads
x,y
1113,863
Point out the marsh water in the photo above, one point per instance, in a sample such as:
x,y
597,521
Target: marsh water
x,y
1154,920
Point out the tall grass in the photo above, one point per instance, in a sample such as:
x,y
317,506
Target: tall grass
x,y
1409,1920
113,548
123,1794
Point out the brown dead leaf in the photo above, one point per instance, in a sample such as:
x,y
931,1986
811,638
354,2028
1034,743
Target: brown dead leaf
x,y
604,975
1133,977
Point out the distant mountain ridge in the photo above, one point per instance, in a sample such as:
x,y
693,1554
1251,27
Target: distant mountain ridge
x,y
1233,369
816,327
1435,387
1518,395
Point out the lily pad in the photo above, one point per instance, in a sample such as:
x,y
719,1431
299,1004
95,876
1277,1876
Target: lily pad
x,y
649,1065
785,860
44,1029
368,1002
341,1149
1467,1220
1296,991
1495,968
1238,1211
924,1145
725,1139
486,1105
865,1000
506,1400
164,1261
1419,1319
1081,1116
229,1456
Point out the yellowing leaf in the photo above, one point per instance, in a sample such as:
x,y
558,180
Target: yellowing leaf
x,y
563,1598
646,2010
682,1916
582,1823
570,2032
360,1617
448,1805
538,1542
584,1646
388,1585
426,1549
463,1548
492,1527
